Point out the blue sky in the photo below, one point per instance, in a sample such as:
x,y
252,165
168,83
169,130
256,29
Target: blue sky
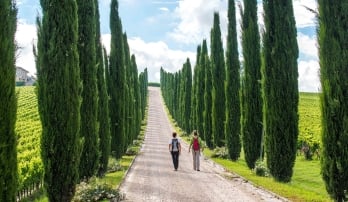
x,y
163,33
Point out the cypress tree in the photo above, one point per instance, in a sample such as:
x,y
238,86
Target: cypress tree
x,y
103,102
333,50
117,83
194,105
59,97
8,100
218,84
280,88
89,106
200,88
143,91
187,90
107,74
252,100
207,116
232,127
137,110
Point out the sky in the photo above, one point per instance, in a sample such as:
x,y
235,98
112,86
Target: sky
x,y
164,33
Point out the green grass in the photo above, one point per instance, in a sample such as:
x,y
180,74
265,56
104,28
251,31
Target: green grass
x,y
306,184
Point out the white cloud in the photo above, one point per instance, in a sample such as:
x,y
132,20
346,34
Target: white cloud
x,y
25,37
304,17
196,20
307,45
308,76
154,55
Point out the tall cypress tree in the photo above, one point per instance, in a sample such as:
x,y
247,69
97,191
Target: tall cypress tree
x,y
194,105
103,102
117,83
59,97
187,90
252,100
207,115
8,100
137,109
334,100
89,107
280,88
129,95
232,126
218,83
200,88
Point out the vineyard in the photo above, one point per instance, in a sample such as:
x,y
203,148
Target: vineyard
x,y
309,140
28,129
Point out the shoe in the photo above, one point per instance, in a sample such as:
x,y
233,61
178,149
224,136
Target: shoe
x,y
198,170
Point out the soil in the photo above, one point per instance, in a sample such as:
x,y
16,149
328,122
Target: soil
x,y
152,176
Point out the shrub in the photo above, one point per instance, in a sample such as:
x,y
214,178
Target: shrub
x,y
220,152
261,168
88,192
131,151
114,165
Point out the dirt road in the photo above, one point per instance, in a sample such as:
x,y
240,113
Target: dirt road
x,y
152,177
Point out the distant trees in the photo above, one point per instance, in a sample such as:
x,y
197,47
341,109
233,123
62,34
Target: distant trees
x,y
89,107
8,100
252,101
218,83
232,124
333,49
280,88
59,97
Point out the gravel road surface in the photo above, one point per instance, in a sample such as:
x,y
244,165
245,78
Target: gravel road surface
x,y
152,176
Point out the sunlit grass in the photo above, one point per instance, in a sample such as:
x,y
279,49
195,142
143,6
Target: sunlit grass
x,y
306,184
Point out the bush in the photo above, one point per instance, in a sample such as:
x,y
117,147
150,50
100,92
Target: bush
x,y
261,168
87,192
114,165
131,151
220,152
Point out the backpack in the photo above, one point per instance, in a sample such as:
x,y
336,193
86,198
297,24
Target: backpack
x,y
195,144
175,143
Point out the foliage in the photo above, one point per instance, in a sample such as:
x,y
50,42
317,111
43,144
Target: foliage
x,y
261,168
89,116
333,50
59,97
89,192
251,87
309,140
232,88
207,114
218,83
154,84
8,101
103,101
117,83
220,152
280,88
28,129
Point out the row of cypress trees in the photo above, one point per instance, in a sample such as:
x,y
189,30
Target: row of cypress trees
x,y
239,103
87,113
